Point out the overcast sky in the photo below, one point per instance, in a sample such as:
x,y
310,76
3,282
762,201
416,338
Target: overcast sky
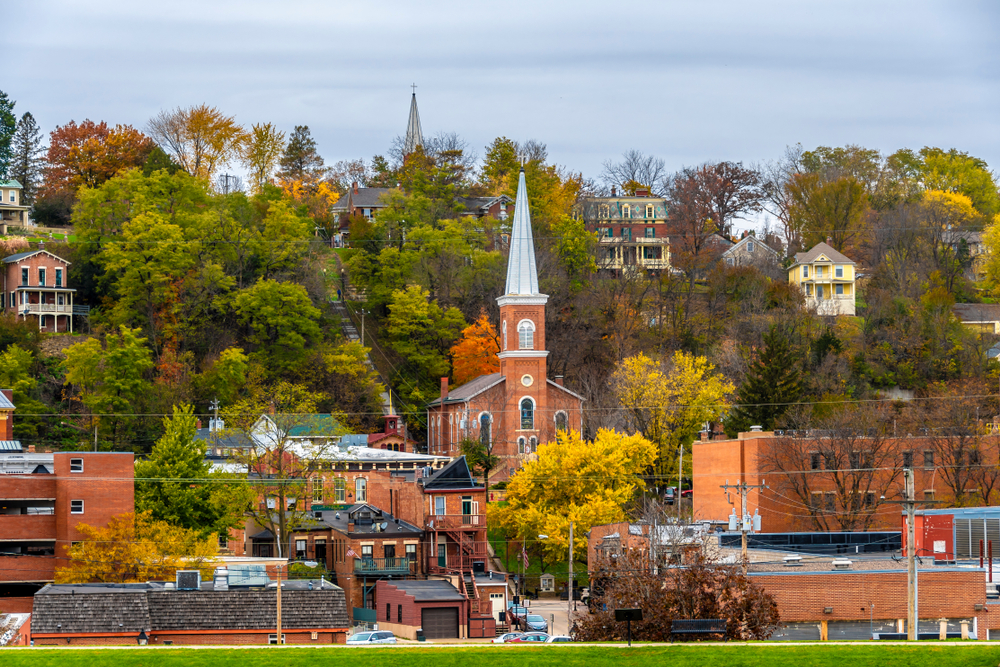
x,y
688,81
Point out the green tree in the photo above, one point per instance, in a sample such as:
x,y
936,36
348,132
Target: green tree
x,y
225,376
177,485
422,332
955,171
27,159
8,126
835,209
18,371
773,383
281,321
300,160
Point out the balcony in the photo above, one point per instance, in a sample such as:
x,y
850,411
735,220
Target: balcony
x,y
34,308
456,522
382,566
27,527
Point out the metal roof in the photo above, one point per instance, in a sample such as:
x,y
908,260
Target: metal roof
x,y
12,183
10,446
5,403
522,275
414,133
428,590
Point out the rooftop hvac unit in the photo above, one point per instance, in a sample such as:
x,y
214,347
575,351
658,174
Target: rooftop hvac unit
x,y
188,580
792,561
841,564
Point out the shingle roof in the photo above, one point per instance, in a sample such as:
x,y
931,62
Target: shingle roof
x,y
28,253
822,249
12,183
102,610
977,312
368,197
471,388
429,590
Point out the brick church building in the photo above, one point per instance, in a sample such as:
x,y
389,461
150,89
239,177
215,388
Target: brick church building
x,y
515,410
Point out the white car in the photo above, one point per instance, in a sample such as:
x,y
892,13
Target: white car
x,y
506,637
369,638
558,639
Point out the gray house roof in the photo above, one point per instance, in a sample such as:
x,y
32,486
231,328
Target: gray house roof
x,y
28,253
977,312
821,249
429,590
76,608
368,197
471,388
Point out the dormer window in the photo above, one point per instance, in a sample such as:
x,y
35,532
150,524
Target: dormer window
x,y
650,211
627,211
526,335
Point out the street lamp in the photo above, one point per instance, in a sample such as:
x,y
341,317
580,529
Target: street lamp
x,y
142,638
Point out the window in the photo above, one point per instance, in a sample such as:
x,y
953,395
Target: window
x,y
411,552
366,552
317,489
814,461
805,271
389,550
650,211
562,421
974,457
76,507
626,233
76,465
838,271
809,290
533,444
604,233
503,328
729,262
929,458
61,299
439,505
648,252
339,490
838,290
41,321
484,430
749,246
627,211
526,335
59,278
907,459
223,541
869,499
603,211
816,501
300,549
388,611
855,460
41,277
831,502
13,196
928,494
361,490
520,450
819,291
527,415
273,639
24,276
650,232
399,613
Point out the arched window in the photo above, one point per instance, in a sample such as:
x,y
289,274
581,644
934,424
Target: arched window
x,y
485,434
361,490
527,415
533,444
339,490
526,335
520,445
562,421
503,328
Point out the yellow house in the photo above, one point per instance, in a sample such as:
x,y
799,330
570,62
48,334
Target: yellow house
x,y
826,277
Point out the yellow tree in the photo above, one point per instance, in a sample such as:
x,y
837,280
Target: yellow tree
x,y
201,139
476,351
586,482
132,547
260,153
667,403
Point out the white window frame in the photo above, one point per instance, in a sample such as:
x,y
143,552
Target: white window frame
x,y
528,328
440,505
838,272
650,211
839,289
317,486
361,489
627,212
503,328
76,465
750,247
73,505
339,490
805,271
534,415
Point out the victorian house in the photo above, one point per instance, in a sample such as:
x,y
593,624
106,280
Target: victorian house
x,y
512,411
631,231
34,286
827,279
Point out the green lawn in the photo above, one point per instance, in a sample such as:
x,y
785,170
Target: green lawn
x,y
833,655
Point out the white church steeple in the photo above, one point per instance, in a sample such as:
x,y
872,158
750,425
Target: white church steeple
x,y
522,275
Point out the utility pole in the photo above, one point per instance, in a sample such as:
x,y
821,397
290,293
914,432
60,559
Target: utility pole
x,y
910,505
215,408
569,605
746,522
680,473
279,642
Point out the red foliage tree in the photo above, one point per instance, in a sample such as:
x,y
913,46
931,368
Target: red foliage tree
x,y
90,153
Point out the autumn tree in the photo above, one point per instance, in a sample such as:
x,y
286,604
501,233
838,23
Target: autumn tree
x,y
27,163
697,590
668,403
8,126
772,384
835,209
958,172
200,138
301,160
136,548
587,482
260,153
476,351
636,169
89,154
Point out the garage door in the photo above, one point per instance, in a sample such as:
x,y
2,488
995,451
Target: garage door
x,y
441,623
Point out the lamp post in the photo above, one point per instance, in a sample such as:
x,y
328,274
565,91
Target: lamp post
x,y
307,563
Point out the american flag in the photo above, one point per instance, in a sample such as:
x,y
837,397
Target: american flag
x,y
524,557
351,553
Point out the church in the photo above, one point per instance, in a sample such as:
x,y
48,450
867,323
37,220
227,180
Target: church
x,y
515,410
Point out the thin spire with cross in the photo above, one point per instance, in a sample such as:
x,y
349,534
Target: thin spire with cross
x,y
414,87
523,157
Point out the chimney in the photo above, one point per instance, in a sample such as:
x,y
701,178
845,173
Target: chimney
x,y
559,380
41,245
614,191
829,240
444,390
354,186
350,526
197,424
31,449
642,192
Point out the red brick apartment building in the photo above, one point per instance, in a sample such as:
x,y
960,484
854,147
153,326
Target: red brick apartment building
x,y
44,497
35,285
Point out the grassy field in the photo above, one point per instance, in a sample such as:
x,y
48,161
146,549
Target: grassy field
x,y
833,655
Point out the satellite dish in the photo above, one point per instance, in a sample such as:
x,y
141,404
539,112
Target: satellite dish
x,y
383,526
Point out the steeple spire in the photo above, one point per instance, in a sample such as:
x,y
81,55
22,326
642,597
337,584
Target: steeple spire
x,y
522,276
414,135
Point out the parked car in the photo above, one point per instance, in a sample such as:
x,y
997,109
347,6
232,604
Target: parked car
x,y
506,637
368,638
558,639
537,623
669,495
531,637
687,493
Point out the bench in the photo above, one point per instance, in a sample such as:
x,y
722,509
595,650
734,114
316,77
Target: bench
x,y
681,626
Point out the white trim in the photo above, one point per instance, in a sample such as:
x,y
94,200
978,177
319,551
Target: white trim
x,y
571,393
523,299
522,353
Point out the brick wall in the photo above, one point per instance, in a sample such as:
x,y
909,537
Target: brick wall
x,y
106,487
386,593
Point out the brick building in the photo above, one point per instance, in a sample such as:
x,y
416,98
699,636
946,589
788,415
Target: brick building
x,y
631,231
313,612
44,497
434,606
35,285
515,410
835,481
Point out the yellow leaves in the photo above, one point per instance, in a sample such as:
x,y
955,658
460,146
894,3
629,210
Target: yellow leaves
x,y
948,208
200,138
261,152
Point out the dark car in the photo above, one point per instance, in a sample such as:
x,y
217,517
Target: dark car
x,y
531,637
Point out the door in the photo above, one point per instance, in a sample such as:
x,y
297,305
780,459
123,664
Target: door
x,y
496,600
321,552
442,555
440,623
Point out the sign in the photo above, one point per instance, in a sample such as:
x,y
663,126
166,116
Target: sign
x,y
628,614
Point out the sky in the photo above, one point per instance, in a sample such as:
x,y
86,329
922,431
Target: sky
x,y
687,81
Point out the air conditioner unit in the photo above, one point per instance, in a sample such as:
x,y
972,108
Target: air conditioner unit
x,y
188,580
841,564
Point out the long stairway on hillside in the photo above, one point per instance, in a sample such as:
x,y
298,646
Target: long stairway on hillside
x,y
351,333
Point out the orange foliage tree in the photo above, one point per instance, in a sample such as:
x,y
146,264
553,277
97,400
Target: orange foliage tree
x,y
91,153
476,351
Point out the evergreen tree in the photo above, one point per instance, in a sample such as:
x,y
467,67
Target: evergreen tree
x,y
8,125
27,161
772,384
301,161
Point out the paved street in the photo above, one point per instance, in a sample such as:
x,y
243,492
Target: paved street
x,y
555,611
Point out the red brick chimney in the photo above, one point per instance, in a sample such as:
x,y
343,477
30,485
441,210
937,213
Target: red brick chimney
x,y
197,424
354,186
444,390
829,240
559,380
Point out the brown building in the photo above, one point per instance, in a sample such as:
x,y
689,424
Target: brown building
x,y
838,481
515,410
312,612
35,286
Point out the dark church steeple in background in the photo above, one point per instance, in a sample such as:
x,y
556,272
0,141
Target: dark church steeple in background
x,y
414,134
